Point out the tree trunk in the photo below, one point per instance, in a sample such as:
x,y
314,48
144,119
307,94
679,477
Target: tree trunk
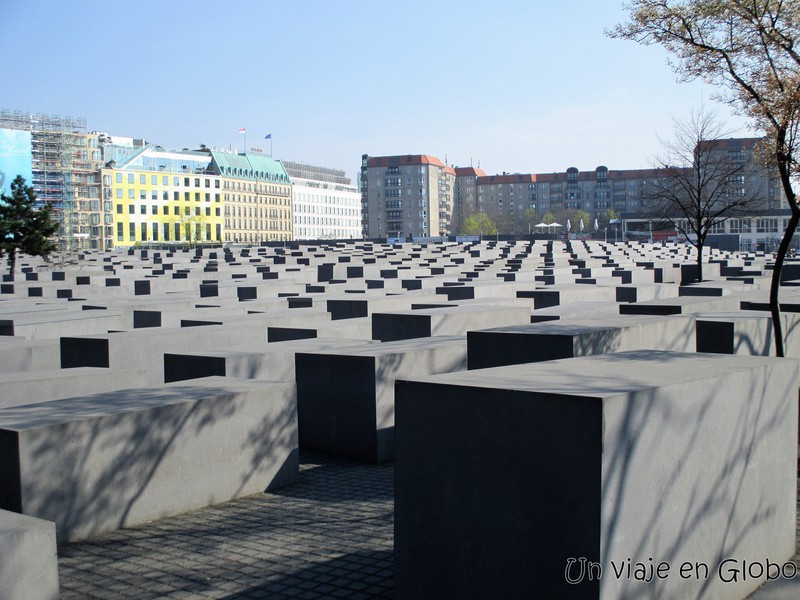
x,y
775,283
12,261
786,240
699,262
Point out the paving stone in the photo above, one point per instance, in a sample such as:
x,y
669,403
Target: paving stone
x,y
329,536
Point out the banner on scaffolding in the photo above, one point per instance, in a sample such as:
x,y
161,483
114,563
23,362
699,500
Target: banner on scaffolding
x,y
15,157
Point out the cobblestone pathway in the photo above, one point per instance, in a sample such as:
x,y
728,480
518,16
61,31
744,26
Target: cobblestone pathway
x,y
329,536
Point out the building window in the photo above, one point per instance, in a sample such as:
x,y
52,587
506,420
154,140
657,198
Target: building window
x,y
766,225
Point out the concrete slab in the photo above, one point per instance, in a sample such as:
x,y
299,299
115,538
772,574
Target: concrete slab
x,y
28,564
50,325
271,362
403,325
145,348
345,397
17,355
97,463
575,337
29,387
646,457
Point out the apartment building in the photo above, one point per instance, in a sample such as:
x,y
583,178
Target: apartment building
x,y
407,195
510,200
325,204
465,200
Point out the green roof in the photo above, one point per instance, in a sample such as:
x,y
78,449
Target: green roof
x,y
249,166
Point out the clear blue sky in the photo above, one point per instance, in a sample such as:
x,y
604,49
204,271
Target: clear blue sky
x,y
517,86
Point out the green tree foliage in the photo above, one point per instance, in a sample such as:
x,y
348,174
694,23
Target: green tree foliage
x,y
22,227
607,217
549,218
577,217
751,50
479,224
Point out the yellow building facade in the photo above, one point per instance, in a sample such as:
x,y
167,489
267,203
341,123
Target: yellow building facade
x,y
164,197
164,208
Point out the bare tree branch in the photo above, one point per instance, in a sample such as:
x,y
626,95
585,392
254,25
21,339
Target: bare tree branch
x,y
748,49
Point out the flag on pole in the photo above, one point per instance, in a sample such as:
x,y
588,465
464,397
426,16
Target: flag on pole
x,y
242,130
268,136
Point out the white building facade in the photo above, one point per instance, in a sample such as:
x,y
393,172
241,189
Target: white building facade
x,y
326,205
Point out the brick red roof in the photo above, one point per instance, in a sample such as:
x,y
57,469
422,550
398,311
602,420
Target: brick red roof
x,y
464,171
408,159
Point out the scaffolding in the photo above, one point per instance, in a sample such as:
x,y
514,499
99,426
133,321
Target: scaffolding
x,y
53,142
315,173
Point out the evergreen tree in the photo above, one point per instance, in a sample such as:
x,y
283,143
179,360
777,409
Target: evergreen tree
x,y
23,228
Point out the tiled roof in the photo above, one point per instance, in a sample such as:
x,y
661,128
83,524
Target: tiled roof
x,y
249,166
464,171
408,159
